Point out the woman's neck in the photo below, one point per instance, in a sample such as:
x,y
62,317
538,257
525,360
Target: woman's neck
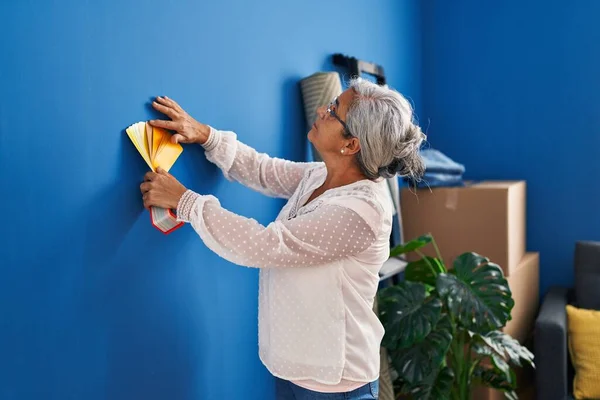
x,y
341,175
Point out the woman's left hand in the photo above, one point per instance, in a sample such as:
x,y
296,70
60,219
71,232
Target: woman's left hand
x,y
161,189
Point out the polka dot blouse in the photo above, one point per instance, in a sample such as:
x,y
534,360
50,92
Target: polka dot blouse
x,y
318,261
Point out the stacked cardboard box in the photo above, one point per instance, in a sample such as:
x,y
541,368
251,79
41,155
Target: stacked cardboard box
x,y
486,218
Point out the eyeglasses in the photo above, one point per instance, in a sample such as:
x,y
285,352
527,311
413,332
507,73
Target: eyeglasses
x,y
331,111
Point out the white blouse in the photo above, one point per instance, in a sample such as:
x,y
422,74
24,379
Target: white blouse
x,y
319,263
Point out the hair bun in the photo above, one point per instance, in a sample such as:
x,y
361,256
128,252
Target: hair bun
x,y
407,158
390,170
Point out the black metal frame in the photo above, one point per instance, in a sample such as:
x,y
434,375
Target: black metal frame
x,y
356,67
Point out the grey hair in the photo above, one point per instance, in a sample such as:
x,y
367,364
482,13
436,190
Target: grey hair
x,y
382,120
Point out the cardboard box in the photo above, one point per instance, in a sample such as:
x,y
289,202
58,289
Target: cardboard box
x,y
524,284
486,217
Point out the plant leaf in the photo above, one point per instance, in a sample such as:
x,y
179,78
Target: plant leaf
x,y
494,377
437,386
407,313
498,350
412,245
425,270
477,293
504,346
501,365
419,361
511,395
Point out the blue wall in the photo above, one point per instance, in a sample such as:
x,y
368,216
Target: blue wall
x,y
513,92
94,302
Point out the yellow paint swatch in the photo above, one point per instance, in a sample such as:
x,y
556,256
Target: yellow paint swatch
x,y
154,145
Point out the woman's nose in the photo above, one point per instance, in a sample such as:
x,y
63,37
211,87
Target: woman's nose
x,y
321,112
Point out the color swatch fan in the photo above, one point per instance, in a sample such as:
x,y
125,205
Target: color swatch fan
x,y
156,148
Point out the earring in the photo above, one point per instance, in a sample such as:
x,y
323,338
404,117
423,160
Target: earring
x,y
343,151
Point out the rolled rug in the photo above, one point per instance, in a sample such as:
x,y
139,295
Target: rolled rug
x,y
319,89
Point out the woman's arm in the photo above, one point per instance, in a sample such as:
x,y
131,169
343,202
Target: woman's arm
x,y
329,233
271,176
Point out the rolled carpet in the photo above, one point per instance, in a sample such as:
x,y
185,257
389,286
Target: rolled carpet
x,y
318,89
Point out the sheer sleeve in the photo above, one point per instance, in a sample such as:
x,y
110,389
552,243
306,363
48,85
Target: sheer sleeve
x,y
271,176
329,233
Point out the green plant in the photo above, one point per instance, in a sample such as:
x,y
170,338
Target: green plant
x,y
442,326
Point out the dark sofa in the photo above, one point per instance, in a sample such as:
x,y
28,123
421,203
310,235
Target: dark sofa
x,y
554,372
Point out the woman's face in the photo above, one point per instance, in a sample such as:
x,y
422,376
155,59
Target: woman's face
x,y
327,132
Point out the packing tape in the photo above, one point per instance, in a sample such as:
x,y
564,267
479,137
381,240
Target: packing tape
x,y
452,199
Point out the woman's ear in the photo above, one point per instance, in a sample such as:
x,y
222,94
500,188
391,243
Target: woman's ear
x,y
353,146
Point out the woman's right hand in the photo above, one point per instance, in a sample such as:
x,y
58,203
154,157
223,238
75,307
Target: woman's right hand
x,y
187,129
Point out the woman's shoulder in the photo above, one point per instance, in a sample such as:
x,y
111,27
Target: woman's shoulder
x,y
362,196
365,200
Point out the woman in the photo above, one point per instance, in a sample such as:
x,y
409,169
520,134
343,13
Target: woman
x,y
319,260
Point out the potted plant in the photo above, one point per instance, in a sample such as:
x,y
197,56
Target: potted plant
x,y
443,326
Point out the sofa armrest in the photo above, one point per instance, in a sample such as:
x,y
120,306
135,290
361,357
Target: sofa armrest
x,y
550,346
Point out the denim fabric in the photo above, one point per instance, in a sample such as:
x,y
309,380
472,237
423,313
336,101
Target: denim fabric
x,y
286,390
437,162
434,179
440,170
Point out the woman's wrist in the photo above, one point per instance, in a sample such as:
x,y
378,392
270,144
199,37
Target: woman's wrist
x,y
202,133
214,138
186,204
176,200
